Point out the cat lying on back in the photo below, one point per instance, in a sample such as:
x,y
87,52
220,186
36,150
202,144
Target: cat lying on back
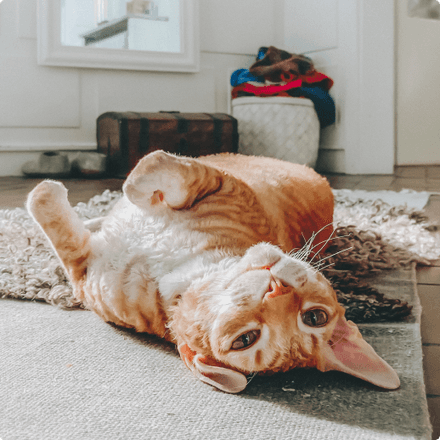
x,y
198,251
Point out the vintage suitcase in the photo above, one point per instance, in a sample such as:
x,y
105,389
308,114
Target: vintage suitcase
x,y
128,136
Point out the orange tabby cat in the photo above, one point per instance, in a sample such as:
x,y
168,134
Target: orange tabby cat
x,y
198,251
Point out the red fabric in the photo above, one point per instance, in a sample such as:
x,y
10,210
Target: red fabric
x,y
315,79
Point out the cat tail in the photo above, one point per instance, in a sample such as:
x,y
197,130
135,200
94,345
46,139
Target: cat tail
x,y
49,207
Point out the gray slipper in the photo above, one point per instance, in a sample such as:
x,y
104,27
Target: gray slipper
x,y
50,164
89,164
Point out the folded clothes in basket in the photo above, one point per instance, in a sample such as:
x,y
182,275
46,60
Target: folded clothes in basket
x,y
279,73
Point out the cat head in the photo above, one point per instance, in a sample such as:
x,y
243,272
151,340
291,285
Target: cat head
x,y
270,312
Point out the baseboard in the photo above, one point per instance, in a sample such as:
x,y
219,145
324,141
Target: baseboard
x,y
331,161
11,162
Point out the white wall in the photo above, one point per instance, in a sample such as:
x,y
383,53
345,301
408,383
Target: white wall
x,y
418,89
55,108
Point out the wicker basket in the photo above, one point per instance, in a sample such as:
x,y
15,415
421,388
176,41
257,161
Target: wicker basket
x,y
281,127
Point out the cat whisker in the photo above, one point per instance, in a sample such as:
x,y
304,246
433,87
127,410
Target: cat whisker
x,y
303,252
307,245
300,254
331,238
332,255
328,240
324,244
325,267
250,378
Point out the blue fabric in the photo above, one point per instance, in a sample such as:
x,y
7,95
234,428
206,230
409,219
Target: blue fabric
x,y
324,104
261,53
241,76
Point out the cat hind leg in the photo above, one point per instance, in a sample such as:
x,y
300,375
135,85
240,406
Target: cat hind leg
x,y
48,205
177,181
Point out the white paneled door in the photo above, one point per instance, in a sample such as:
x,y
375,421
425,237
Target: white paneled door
x,y
352,41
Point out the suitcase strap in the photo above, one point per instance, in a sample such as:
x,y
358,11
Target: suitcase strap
x,y
182,127
182,123
144,136
218,130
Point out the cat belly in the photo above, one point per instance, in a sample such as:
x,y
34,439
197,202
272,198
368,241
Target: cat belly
x,y
125,293
131,253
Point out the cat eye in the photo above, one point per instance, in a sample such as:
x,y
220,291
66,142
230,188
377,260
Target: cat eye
x,y
245,340
315,318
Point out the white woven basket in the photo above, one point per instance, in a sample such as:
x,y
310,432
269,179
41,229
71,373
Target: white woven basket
x,y
281,127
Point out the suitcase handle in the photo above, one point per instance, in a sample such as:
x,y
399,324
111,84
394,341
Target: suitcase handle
x,y
172,111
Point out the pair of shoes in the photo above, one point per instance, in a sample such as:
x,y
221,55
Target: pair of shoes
x,y
52,164
49,164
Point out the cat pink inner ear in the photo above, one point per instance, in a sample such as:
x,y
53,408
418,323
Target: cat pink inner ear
x,y
157,197
348,352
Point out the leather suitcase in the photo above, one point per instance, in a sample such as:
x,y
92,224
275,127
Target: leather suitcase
x,y
125,137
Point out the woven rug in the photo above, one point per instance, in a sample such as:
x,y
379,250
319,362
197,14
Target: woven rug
x,y
66,374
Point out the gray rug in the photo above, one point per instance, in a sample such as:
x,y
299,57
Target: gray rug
x,y
66,374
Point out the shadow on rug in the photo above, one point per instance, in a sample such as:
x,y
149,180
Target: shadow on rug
x,y
370,237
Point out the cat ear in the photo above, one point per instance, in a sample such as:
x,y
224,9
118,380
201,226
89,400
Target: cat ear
x,y
213,372
348,352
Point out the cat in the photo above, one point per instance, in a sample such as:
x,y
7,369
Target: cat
x,y
213,254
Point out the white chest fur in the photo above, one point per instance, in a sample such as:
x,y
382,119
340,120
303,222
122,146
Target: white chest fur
x,y
137,253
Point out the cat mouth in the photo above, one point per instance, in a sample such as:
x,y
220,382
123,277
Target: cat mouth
x,y
276,288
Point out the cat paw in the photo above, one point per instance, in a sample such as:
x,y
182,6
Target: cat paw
x,y
156,179
46,199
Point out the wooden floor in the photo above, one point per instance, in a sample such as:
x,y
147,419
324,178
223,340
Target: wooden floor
x,y
13,192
